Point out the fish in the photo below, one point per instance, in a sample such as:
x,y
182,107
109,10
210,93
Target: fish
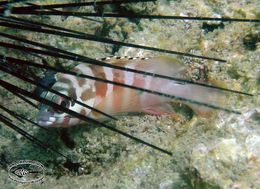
x,y
116,100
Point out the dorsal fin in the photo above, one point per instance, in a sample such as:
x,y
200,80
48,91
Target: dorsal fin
x,y
160,65
112,58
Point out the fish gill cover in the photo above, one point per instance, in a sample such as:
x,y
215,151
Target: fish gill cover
x,y
218,43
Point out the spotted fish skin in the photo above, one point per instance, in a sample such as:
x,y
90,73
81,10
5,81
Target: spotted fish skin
x,y
113,99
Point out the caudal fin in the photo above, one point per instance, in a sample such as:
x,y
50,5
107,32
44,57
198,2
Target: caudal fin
x,y
209,97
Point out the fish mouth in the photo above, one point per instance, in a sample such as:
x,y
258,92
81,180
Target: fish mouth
x,y
46,121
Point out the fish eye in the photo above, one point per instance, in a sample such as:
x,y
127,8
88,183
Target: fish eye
x,y
64,103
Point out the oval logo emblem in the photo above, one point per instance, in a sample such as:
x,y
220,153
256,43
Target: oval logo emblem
x,y
26,171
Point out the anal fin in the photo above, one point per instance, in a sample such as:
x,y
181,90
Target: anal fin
x,y
161,109
201,111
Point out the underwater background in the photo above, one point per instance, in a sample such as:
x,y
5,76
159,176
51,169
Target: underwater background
x,y
218,151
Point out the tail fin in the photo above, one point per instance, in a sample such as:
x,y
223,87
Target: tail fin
x,y
205,95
